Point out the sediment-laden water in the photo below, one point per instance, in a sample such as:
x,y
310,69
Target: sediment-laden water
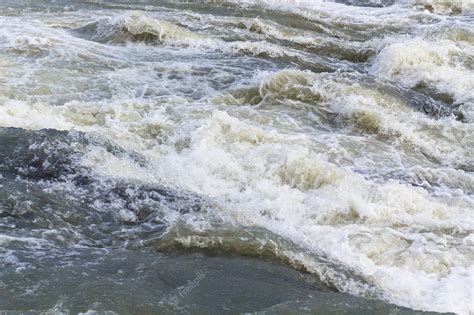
x,y
237,156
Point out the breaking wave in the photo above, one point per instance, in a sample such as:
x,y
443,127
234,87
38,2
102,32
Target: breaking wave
x,y
334,137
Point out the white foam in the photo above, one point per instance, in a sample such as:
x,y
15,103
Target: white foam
x,y
19,114
418,61
262,178
273,180
276,165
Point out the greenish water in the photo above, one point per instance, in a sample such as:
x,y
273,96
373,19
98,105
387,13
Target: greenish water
x,y
261,156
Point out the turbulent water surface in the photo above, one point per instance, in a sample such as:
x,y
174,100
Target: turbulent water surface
x,y
237,156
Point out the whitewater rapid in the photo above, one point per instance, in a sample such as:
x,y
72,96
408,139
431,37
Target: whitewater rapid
x,y
338,139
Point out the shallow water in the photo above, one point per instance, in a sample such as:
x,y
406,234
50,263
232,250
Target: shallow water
x,y
237,156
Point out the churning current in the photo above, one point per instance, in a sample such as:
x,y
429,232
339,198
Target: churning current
x,y
230,156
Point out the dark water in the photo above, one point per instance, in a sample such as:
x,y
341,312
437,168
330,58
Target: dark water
x,y
212,157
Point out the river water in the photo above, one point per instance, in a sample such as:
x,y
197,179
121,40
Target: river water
x,y
227,156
